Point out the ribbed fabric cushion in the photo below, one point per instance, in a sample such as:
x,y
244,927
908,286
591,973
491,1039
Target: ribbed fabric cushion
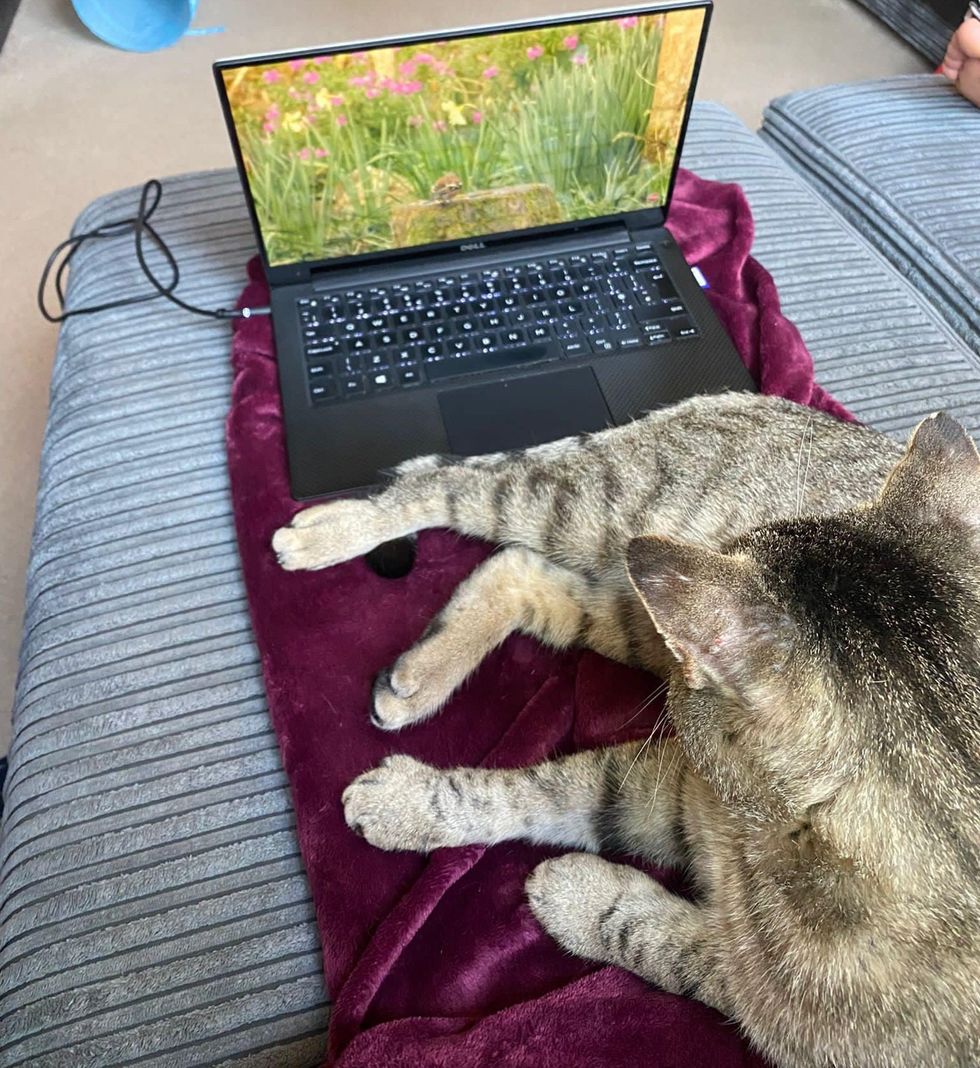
x,y
901,159
878,345
153,903
916,22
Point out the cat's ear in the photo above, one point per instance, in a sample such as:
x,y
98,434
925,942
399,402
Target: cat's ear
x,y
711,613
938,478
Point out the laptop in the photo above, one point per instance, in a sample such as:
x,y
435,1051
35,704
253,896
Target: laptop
x,y
463,234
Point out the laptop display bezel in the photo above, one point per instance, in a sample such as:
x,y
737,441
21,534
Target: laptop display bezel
x,y
300,271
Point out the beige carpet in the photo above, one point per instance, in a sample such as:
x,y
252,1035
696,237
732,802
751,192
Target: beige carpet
x,y
80,118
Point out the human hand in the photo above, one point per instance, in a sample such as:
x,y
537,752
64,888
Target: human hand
x,y
961,64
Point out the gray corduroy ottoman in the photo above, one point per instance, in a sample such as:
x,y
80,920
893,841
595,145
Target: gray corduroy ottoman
x,y
153,904
900,159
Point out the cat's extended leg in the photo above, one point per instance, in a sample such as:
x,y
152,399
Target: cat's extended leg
x,y
517,589
565,499
427,492
629,798
616,914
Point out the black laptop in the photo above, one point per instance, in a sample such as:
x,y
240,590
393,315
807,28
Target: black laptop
x,y
463,235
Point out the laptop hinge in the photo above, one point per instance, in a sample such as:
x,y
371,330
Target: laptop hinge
x,y
414,266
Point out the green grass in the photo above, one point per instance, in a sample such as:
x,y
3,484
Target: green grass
x,y
327,159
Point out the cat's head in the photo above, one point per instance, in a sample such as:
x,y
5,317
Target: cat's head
x,y
821,651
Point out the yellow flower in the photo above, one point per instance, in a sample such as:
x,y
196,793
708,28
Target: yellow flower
x,y
323,98
294,121
455,113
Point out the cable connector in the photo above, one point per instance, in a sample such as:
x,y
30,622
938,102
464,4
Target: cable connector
x,y
139,225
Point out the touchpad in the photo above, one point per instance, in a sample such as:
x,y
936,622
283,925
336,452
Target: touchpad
x,y
523,411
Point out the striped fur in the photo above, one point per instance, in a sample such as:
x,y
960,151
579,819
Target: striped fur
x,y
813,597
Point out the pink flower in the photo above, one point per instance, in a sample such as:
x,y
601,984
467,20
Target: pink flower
x,y
341,120
440,125
304,153
272,114
535,51
570,42
407,69
491,72
360,55
322,59
415,120
372,93
628,23
297,64
424,57
311,76
336,101
269,127
442,68
272,76
476,118
361,79
320,153
294,94
579,59
407,88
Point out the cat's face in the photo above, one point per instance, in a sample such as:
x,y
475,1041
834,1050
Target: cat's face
x,y
822,650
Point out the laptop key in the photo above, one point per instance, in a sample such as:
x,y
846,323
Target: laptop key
x,y
323,391
681,326
352,385
381,380
576,348
348,365
497,360
409,376
314,352
603,343
655,333
318,370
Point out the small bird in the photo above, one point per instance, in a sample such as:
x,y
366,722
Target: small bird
x,y
446,187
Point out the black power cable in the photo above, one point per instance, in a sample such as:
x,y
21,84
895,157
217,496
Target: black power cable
x,y
139,225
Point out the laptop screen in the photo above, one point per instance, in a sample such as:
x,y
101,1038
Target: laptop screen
x,y
393,147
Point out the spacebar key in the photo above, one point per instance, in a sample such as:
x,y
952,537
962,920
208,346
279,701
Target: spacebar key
x,y
498,360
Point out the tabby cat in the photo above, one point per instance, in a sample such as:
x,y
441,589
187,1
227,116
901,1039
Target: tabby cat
x,y
812,593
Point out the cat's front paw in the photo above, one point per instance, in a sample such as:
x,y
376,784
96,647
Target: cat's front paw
x,y
327,534
579,899
416,686
400,804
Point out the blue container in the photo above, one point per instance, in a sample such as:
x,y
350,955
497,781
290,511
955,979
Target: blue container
x,y
137,25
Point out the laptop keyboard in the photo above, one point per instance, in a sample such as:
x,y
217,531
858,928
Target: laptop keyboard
x,y
401,335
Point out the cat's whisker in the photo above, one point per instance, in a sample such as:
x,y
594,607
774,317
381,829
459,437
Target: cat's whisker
x,y
639,753
644,705
801,474
662,774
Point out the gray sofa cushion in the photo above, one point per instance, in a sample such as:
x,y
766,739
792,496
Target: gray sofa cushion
x,y
901,159
153,903
918,23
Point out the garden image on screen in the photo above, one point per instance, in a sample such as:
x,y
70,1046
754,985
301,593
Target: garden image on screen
x,y
396,147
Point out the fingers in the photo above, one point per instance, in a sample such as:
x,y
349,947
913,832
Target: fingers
x,y
968,81
963,46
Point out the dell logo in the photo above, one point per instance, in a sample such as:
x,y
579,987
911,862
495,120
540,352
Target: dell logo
x,y
472,245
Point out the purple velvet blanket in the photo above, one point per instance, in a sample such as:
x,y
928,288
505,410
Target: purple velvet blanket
x,y
437,960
